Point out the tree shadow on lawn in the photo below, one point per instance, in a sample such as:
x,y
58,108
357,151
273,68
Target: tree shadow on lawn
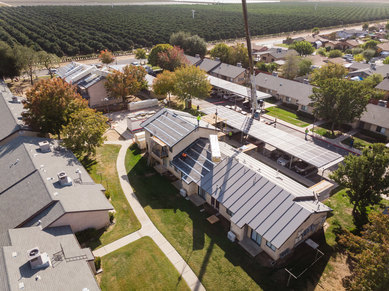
x,y
157,192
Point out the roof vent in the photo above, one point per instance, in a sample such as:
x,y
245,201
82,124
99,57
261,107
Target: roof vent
x,y
37,259
44,146
279,50
239,65
64,180
15,99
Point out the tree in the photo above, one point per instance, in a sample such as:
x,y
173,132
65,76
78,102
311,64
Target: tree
x,y
373,80
159,48
49,104
270,67
371,44
129,82
303,47
239,54
140,53
164,84
305,67
84,132
172,59
358,58
335,54
191,44
106,57
191,81
291,67
9,65
47,61
27,59
357,50
366,178
368,255
327,72
368,54
387,26
221,51
315,30
365,26
386,61
339,100
322,51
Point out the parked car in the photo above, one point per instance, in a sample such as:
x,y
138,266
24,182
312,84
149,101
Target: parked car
x,y
52,71
304,168
283,160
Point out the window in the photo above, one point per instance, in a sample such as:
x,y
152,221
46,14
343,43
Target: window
x,y
380,129
269,244
284,253
303,108
229,212
287,99
257,238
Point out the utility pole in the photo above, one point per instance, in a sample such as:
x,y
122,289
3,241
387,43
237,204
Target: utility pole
x,y
251,65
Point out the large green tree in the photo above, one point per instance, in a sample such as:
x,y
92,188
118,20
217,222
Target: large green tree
x,y
84,132
221,51
327,72
191,81
164,84
366,177
191,44
129,82
9,64
47,61
49,104
340,101
368,255
28,60
305,67
140,53
290,69
155,51
303,47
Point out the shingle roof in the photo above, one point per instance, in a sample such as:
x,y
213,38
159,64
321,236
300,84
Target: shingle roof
x,y
289,88
278,53
73,274
267,208
377,115
193,60
170,126
10,112
358,66
384,46
384,85
207,64
227,70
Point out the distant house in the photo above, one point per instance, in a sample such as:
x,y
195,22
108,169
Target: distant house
x,y
384,47
384,86
11,109
263,213
273,55
292,40
51,259
258,48
339,61
287,91
316,41
369,70
44,184
351,33
235,74
89,82
205,64
375,119
347,44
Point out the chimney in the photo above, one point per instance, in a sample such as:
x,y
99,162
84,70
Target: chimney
x,y
44,146
64,180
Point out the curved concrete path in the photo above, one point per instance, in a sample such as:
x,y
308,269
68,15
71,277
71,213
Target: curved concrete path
x,y
148,228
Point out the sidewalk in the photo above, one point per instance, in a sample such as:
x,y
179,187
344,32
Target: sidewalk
x,y
148,228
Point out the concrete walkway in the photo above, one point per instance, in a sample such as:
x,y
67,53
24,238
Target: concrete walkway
x,y
148,228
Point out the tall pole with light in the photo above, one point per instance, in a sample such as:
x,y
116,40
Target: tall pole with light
x,y
251,64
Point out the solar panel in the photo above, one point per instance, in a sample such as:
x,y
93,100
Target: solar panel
x,y
293,145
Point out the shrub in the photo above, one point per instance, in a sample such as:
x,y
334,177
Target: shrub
x,y
107,194
291,106
377,136
357,51
304,114
335,54
111,216
97,263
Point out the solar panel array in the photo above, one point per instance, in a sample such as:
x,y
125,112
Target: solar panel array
x,y
235,88
293,145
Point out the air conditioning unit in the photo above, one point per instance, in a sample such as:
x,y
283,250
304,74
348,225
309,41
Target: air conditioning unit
x,y
63,179
44,146
382,103
183,192
37,259
231,236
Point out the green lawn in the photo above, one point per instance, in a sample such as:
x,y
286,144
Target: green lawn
x,y
140,265
326,133
359,144
288,116
219,264
103,171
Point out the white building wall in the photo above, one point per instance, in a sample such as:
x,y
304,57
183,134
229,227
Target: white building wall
x,y
82,220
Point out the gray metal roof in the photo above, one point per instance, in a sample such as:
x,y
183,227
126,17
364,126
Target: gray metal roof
x,y
61,275
266,207
227,70
197,163
168,125
288,88
10,112
295,146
